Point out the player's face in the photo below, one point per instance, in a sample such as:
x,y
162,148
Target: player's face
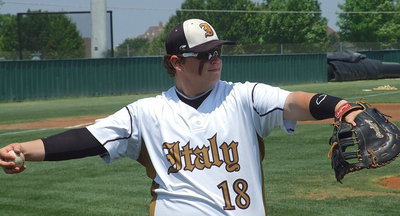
x,y
198,72
204,66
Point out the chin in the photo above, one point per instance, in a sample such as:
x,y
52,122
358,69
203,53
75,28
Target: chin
x,y
216,78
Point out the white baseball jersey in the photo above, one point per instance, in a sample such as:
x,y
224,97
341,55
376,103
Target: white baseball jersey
x,y
204,161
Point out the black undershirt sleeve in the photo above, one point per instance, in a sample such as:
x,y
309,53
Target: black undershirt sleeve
x,y
72,144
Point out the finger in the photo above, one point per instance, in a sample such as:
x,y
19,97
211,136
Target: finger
x,y
21,169
17,149
7,164
9,147
14,170
4,155
351,121
6,159
8,171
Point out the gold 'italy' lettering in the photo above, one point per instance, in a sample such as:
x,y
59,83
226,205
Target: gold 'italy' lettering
x,y
202,157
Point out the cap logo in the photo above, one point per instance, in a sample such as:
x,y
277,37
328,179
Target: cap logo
x,y
182,47
207,28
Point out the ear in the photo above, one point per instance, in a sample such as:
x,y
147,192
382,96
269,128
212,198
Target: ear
x,y
176,62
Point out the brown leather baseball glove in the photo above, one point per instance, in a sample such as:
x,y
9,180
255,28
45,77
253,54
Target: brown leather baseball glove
x,y
373,143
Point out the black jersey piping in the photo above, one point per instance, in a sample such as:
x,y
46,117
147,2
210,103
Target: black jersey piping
x,y
127,137
252,100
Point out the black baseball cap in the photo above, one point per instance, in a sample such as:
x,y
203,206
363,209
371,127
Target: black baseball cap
x,y
193,36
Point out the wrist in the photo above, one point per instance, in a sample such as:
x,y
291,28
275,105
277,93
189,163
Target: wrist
x,y
341,108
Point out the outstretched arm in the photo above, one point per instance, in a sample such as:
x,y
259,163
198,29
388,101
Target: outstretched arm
x,y
302,106
70,144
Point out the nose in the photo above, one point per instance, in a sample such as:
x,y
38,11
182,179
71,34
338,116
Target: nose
x,y
215,59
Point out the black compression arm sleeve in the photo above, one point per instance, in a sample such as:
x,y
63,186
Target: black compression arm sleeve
x,y
72,144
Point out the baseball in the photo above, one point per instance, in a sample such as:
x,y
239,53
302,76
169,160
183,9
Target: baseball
x,y
19,158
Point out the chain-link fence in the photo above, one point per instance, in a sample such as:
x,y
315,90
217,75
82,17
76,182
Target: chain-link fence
x,y
289,48
231,50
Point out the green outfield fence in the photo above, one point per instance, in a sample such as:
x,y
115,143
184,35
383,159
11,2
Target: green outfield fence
x,y
384,56
45,79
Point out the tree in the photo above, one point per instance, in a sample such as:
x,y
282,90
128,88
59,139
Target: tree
x,y
370,27
53,35
8,36
298,27
132,47
255,27
240,27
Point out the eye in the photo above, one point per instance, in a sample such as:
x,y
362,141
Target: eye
x,y
213,53
210,54
204,56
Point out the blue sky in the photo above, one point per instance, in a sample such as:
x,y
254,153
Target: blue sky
x,y
132,17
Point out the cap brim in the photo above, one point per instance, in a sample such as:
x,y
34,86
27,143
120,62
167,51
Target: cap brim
x,y
209,46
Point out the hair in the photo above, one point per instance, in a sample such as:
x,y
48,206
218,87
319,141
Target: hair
x,y
167,64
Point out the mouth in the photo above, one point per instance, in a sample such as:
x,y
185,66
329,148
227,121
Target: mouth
x,y
214,69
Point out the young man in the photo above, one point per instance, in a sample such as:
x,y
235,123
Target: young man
x,y
201,140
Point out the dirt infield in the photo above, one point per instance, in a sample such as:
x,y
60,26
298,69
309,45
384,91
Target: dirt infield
x,y
73,122
392,109
392,182
342,193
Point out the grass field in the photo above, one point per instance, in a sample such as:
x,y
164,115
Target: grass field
x,y
298,176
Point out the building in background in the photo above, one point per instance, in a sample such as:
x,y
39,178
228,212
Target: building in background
x,y
152,32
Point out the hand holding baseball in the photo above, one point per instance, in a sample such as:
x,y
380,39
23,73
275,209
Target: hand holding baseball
x,y
12,159
19,158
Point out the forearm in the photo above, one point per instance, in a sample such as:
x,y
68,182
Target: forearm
x,y
33,150
72,144
297,106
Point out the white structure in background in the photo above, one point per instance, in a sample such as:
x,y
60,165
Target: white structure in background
x,y
98,9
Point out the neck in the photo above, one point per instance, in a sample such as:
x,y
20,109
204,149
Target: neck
x,y
192,90
193,97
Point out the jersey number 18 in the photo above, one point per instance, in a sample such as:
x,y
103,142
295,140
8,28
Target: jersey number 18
x,y
242,199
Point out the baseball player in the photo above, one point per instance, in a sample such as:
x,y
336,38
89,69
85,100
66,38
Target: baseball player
x,y
201,141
